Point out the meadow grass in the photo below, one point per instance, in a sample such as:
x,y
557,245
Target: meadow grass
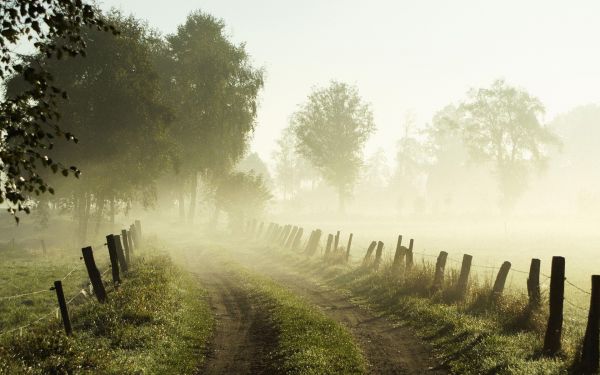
x,y
471,335
156,322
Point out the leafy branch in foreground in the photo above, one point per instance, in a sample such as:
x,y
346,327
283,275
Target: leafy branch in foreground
x,y
29,119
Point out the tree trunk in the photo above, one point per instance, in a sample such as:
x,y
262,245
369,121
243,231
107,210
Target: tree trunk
x,y
192,210
99,212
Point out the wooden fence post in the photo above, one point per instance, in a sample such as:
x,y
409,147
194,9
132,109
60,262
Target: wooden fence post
x,y
440,266
121,254
43,247
336,242
378,255
552,344
125,238
328,247
94,274
62,304
463,278
297,239
348,247
398,255
500,280
315,242
130,242
138,228
134,236
114,258
409,255
369,253
284,233
590,353
533,283
291,237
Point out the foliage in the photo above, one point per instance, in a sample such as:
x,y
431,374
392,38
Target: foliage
x,y
242,195
117,112
29,120
214,92
501,124
332,128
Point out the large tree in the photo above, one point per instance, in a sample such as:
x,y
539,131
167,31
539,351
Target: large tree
x,y
117,112
332,128
502,125
213,89
29,118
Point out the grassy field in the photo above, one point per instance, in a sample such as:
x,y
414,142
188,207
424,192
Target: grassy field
x,y
156,322
470,336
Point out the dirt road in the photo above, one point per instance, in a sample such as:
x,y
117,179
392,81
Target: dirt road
x,y
243,337
388,347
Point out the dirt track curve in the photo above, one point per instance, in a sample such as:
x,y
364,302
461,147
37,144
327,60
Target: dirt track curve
x,y
242,339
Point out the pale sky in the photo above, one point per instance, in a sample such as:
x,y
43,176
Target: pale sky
x,y
404,56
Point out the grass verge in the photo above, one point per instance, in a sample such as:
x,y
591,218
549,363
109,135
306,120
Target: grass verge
x,y
157,322
307,342
470,336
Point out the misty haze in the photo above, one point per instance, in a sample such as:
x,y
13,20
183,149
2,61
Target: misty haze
x,y
316,187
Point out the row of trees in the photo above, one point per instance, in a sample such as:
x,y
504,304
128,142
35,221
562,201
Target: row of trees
x,y
148,108
499,126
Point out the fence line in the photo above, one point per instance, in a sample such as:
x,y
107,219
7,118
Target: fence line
x,y
58,285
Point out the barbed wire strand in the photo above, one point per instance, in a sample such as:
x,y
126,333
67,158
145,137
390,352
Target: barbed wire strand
x,y
576,287
574,305
16,296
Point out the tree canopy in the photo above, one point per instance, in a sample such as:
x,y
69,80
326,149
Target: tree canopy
x,y
332,128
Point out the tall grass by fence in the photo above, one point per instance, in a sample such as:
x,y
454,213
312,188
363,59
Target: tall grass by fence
x,y
403,261
120,248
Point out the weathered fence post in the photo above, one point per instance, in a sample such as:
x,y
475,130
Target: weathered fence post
x,y
114,258
297,239
62,304
500,280
369,253
125,238
552,344
348,247
43,247
440,266
336,242
312,246
378,255
291,237
284,234
130,242
328,247
409,255
121,254
134,236
138,228
463,278
533,283
268,231
590,353
398,255
94,274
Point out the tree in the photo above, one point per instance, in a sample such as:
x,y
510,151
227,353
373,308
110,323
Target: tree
x,y
29,118
242,195
116,110
501,124
286,163
213,90
254,163
332,128
411,164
